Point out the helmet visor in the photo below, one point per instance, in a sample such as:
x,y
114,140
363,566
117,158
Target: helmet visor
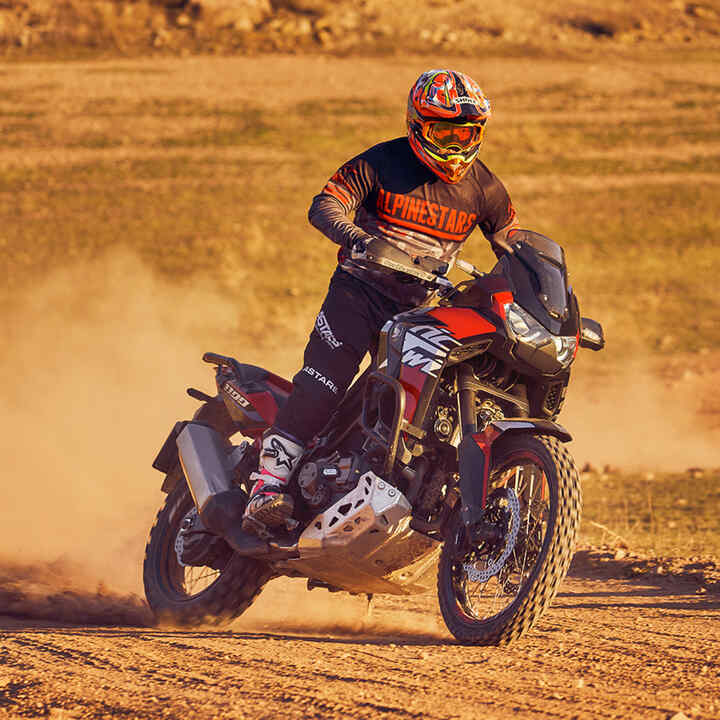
x,y
447,135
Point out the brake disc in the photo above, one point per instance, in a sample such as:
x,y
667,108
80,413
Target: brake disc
x,y
496,565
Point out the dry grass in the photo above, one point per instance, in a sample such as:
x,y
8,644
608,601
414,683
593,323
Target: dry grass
x,y
653,513
204,168
617,162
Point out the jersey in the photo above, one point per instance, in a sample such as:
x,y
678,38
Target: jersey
x,y
390,194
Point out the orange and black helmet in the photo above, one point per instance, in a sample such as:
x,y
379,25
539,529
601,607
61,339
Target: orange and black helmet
x,y
446,117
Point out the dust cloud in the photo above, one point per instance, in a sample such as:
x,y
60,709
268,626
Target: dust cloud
x,y
286,606
59,592
634,419
93,372
92,378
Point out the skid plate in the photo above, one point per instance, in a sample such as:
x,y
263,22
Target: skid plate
x,y
364,543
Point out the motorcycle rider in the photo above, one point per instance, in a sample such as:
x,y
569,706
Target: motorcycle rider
x,y
424,194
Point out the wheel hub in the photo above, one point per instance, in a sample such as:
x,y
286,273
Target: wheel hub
x,y
496,564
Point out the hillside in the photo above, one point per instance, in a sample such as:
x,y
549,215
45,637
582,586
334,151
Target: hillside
x,y
463,27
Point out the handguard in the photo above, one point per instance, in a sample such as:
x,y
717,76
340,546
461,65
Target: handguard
x,y
379,254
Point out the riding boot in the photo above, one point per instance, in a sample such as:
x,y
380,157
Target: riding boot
x,y
270,504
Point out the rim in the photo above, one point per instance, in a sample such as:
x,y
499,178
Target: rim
x,y
187,582
511,568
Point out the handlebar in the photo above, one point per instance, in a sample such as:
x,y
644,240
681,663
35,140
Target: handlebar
x,y
468,268
379,253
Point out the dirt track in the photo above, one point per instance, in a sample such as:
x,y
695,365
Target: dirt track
x,y
609,648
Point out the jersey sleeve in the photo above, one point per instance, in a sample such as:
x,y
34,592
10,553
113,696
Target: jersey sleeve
x,y
332,209
499,217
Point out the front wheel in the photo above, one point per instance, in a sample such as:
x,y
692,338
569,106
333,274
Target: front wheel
x,y
491,593
192,595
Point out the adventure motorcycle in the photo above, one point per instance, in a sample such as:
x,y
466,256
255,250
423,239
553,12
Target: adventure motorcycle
x,y
443,460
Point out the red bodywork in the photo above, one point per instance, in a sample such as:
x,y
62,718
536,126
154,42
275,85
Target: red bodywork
x,y
256,411
484,441
461,324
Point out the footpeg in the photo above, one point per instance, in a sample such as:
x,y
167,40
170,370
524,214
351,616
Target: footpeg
x,y
291,524
255,527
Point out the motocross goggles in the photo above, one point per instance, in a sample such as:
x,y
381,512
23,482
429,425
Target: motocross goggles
x,y
446,135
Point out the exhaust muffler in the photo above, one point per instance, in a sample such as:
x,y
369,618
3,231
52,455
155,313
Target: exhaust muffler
x,y
208,471
208,468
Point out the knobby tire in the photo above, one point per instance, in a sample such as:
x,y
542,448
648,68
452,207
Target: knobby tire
x,y
551,565
226,598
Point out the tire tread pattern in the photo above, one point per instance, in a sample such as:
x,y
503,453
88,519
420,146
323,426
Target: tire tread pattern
x,y
227,598
504,630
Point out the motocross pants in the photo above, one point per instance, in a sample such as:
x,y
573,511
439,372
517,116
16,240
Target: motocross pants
x,y
346,327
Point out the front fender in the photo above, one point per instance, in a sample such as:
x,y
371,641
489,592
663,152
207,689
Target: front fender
x,y
475,458
531,427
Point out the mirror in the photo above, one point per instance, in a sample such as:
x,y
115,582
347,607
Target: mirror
x,y
591,334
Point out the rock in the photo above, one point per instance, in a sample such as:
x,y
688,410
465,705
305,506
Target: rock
x,y
696,473
678,716
701,11
325,38
588,468
311,7
349,20
666,342
25,37
303,27
619,554
7,22
237,14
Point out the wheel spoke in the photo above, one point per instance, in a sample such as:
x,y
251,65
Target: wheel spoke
x,y
483,601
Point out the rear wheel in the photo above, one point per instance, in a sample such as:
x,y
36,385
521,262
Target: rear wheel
x,y
191,595
491,593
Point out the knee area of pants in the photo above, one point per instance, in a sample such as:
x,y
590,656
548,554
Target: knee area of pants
x,y
318,385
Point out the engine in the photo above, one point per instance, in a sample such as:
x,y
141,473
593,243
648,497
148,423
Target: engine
x,y
325,480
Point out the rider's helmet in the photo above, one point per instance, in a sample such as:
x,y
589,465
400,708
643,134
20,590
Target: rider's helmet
x,y
446,117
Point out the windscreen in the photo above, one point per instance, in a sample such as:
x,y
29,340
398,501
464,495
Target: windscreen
x,y
537,272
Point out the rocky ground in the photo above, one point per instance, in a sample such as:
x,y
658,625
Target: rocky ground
x,y
346,26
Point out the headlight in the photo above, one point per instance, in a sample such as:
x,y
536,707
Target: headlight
x,y
565,347
529,332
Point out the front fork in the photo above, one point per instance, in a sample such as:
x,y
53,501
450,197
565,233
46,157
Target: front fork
x,y
474,455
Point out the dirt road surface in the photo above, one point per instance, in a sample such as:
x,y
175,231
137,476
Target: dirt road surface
x,y
608,648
